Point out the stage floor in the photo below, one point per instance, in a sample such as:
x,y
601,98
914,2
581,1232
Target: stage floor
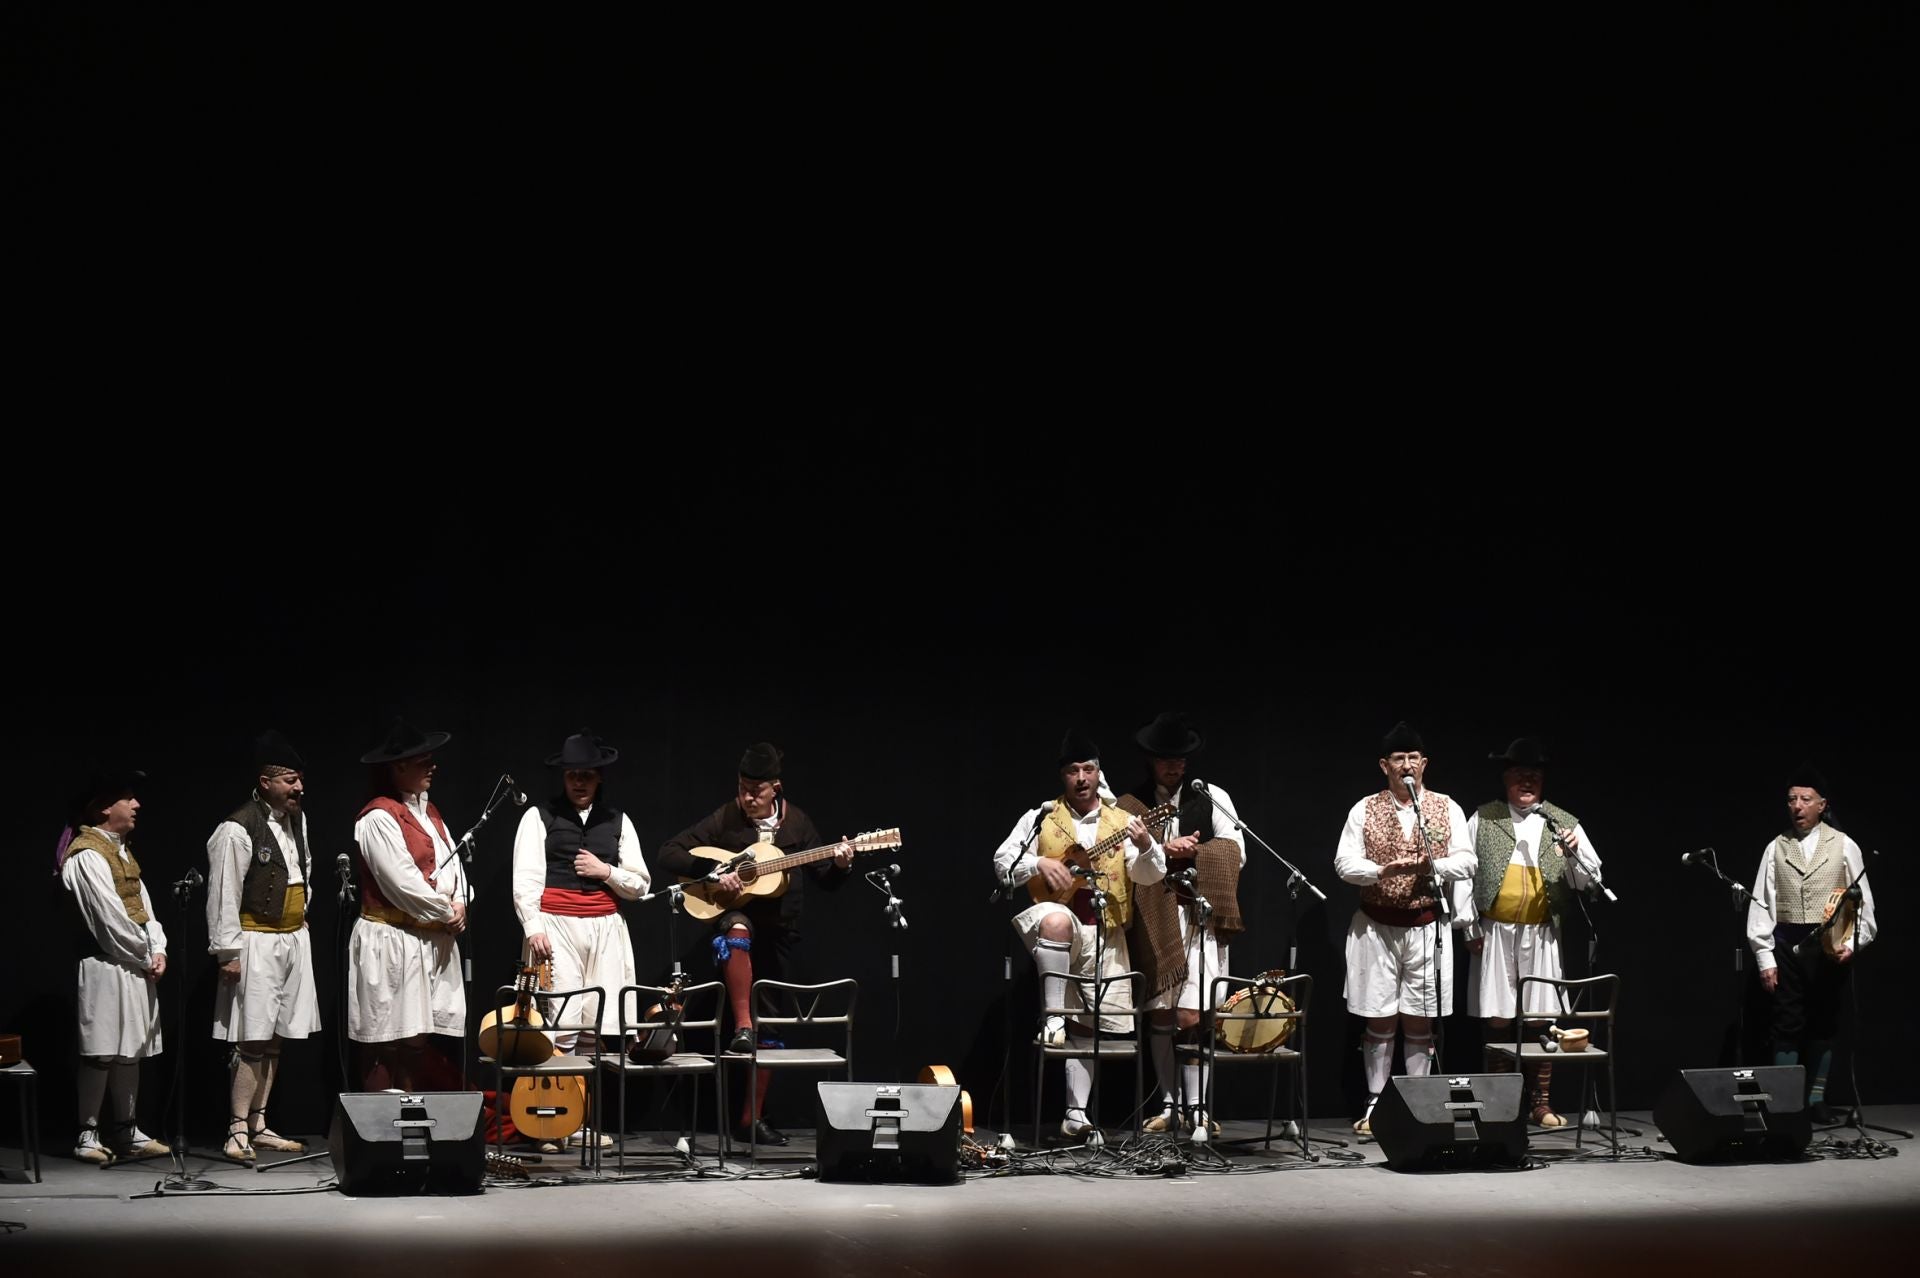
x,y
1346,1214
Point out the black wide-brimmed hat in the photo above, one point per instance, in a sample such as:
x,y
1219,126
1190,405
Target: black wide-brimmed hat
x,y
582,751
404,741
272,750
1811,777
1076,747
761,762
1171,735
1401,737
111,784
1521,752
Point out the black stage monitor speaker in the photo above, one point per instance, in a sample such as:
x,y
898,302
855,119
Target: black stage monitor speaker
x,y
388,1143
877,1131
1451,1120
1714,1114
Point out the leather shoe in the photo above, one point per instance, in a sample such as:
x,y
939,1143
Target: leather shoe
x,y
762,1132
741,1044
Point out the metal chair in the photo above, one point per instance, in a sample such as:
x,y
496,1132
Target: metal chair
x,y
1252,1019
1589,1004
566,1011
684,1062
1103,1047
785,1005
28,1083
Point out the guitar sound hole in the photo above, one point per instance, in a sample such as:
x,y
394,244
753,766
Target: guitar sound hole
x,y
747,871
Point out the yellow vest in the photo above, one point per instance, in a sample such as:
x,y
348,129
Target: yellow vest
x,y
293,916
125,869
1058,837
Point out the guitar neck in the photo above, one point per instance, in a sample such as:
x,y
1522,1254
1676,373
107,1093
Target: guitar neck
x,y
811,855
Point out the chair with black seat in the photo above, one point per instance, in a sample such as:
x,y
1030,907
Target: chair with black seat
x,y
1102,1045
566,1013
694,1051
786,1007
1269,1020
1589,1006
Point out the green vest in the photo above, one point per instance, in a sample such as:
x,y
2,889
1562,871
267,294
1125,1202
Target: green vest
x,y
1494,846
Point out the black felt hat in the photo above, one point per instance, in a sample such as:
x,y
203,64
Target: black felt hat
x,y
582,751
404,741
761,762
1171,735
1400,738
1521,752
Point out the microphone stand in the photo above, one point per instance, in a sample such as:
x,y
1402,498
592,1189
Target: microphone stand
x,y
463,848
1296,877
1742,901
1815,940
180,1180
898,923
1442,921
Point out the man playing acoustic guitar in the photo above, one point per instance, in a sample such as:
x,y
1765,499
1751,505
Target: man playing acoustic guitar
x,y
1059,931
758,934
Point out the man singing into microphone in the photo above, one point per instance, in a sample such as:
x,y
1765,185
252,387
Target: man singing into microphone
x,y
1799,872
575,858
1181,929
403,961
760,933
258,868
1511,910
1060,933
1393,978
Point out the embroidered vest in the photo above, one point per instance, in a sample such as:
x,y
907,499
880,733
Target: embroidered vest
x,y
1801,887
1058,837
1495,844
1383,842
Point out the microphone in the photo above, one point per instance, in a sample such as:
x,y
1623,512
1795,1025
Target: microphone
x,y
191,879
518,796
1185,876
1548,1043
1004,888
1412,783
1197,786
1698,854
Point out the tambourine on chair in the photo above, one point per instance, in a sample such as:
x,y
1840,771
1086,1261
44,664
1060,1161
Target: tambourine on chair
x,y
1256,1018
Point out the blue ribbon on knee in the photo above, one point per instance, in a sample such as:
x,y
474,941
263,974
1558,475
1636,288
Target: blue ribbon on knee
x,y
724,946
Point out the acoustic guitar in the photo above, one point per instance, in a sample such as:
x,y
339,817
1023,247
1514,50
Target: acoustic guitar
x,y
763,870
522,1038
1088,858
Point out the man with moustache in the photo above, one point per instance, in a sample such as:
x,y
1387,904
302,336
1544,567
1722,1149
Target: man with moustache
x,y
758,935
258,868
1181,951
1063,937
575,858
404,964
1512,909
123,955
1395,956
1799,872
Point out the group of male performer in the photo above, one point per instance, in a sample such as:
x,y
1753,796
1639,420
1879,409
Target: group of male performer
x,y
1161,897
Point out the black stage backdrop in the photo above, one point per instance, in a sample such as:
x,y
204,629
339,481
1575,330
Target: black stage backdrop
x,y
611,288
924,680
